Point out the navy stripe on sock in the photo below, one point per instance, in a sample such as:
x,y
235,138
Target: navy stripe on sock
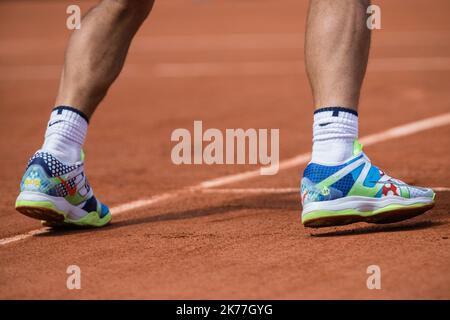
x,y
81,114
336,110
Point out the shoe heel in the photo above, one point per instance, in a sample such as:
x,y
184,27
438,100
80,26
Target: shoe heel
x,y
41,210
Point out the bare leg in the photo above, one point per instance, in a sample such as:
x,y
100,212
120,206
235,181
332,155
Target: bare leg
x,y
96,53
337,49
340,185
94,58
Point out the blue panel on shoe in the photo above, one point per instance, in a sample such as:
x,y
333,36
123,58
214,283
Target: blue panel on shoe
x,y
317,172
345,184
357,172
105,210
372,177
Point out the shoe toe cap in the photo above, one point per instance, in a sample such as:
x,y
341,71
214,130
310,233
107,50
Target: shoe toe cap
x,y
416,192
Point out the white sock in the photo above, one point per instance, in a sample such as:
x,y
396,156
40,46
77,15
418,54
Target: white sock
x,y
334,131
65,134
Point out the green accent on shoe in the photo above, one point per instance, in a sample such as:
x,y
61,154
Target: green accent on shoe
x,y
353,212
92,219
75,200
360,190
357,147
404,192
39,204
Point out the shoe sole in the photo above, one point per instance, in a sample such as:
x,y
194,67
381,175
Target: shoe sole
x,y
388,214
41,211
48,212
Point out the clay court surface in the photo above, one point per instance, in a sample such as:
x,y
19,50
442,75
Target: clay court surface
x,y
177,232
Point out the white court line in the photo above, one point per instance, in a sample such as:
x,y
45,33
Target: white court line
x,y
138,204
251,190
396,132
143,203
441,189
23,236
133,205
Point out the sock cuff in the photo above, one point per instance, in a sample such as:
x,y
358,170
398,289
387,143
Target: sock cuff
x,y
334,130
335,123
325,116
335,111
69,123
60,110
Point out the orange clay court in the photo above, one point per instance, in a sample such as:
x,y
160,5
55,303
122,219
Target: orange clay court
x,y
222,231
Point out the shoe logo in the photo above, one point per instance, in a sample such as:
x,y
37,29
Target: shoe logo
x,y
325,191
32,183
70,190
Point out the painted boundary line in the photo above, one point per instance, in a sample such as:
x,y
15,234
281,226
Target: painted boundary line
x,y
251,190
396,132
